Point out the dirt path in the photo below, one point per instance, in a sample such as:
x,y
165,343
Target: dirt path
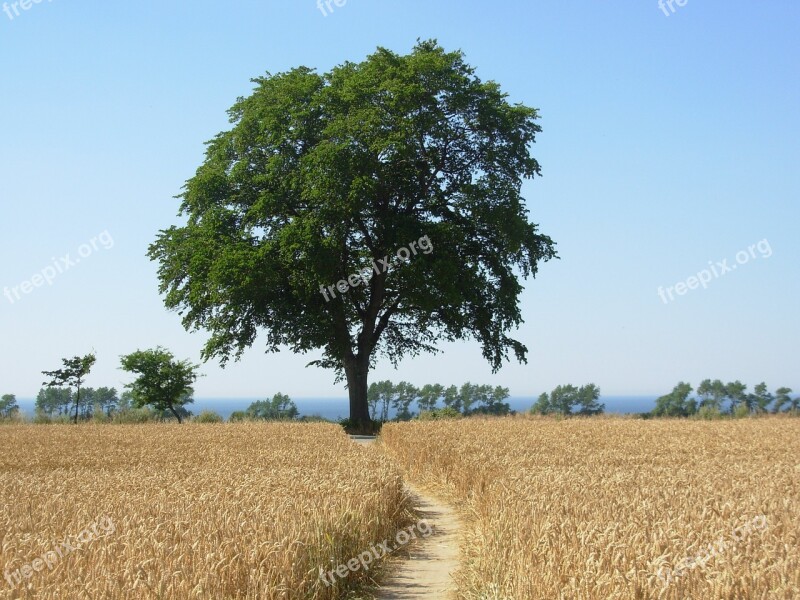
x,y
426,573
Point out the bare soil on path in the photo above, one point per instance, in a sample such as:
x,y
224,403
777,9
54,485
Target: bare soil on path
x,y
426,572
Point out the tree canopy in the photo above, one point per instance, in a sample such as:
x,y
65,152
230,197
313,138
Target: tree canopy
x,y
467,400
162,382
327,178
8,406
74,373
568,400
715,398
280,408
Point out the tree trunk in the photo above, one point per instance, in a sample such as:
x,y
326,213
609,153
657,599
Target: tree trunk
x,y
77,404
357,370
175,412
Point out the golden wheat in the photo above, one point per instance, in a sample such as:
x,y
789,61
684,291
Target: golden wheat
x,y
591,509
198,511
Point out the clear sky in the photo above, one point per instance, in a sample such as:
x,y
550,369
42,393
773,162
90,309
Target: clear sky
x,y
669,141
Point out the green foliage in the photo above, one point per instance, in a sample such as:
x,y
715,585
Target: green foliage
x,y
180,413
709,412
75,371
452,399
564,398
144,414
486,400
429,395
40,418
736,392
448,412
542,405
314,419
762,398
106,399
469,399
323,176
468,395
238,416
8,407
676,403
567,400
91,405
782,398
588,396
163,382
404,395
280,408
352,427
52,400
380,395
208,416
714,394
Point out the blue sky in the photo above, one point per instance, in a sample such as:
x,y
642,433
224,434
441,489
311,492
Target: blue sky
x,y
668,142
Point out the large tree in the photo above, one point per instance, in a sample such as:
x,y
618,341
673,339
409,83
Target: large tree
x,y
302,216
162,381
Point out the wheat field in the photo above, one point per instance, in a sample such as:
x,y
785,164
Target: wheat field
x,y
602,509
188,511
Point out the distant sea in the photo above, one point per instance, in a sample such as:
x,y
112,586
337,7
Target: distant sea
x,y
335,408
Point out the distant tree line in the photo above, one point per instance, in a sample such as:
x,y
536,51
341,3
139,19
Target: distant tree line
x,y
718,398
280,408
570,400
101,404
469,399
57,402
162,388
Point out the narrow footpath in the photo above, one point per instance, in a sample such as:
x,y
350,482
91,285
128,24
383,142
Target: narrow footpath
x,y
426,573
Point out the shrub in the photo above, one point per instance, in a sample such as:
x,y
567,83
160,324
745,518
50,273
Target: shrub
x,y
135,415
351,428
208,416
448,412
41,418
14,418
238,416
314,419
709,413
